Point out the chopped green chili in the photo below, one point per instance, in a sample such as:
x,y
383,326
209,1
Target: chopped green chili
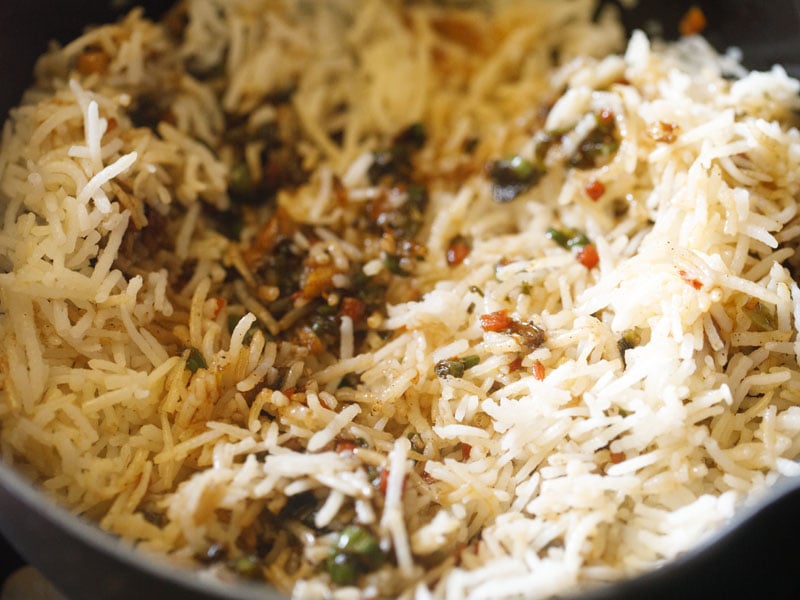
x,y
512,177
355,551
455,367
392,264
568,237
195,360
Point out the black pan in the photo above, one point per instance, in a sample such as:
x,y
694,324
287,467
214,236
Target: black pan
x,y
756,556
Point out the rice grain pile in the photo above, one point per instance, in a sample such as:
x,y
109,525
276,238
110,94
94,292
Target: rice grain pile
x,y
373,299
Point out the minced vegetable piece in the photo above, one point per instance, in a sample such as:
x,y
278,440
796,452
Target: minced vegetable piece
x,y
595,189
393,265
247,566
530,335
495,321
466,450
457,251
355,552
598,145
692,281
395,161
630,339
512,177
195,360
567,238
759,314
455,367
588,256
538,370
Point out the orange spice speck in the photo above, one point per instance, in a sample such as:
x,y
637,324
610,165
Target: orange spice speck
x,y
538,370
588,256
595,189
495,321
695,283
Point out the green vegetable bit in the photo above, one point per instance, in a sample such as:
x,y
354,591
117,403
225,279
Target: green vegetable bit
x,y
355,551
342,569
392,264
759,314
247,566
355,539
455,367
195,360
512,177
630,339
567,238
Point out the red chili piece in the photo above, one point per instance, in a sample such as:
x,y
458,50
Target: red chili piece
x,y
538,370
595,189
695,283
465,451
457,252
495,321
588,257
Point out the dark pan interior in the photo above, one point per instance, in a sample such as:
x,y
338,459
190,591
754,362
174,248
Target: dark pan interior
x,y
756,560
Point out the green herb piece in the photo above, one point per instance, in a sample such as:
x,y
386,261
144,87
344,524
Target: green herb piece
x,y
567,238
476,290
195,360
355,551
414,137
392,264
355,539
759,314
600,143
455,367
630,339
240,181
512,177
342,569
247,566
395,162
470,361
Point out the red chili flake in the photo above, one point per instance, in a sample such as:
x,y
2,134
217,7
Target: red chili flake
x,y
343,446
538,370
111,124
496,321
457,251
220,305
465,450
693,22
595,189
695,283
515,365
289,391
617,457
605,116
588,257
353,308
384,480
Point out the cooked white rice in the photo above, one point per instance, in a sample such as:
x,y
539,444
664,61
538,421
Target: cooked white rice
x,y
664,396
